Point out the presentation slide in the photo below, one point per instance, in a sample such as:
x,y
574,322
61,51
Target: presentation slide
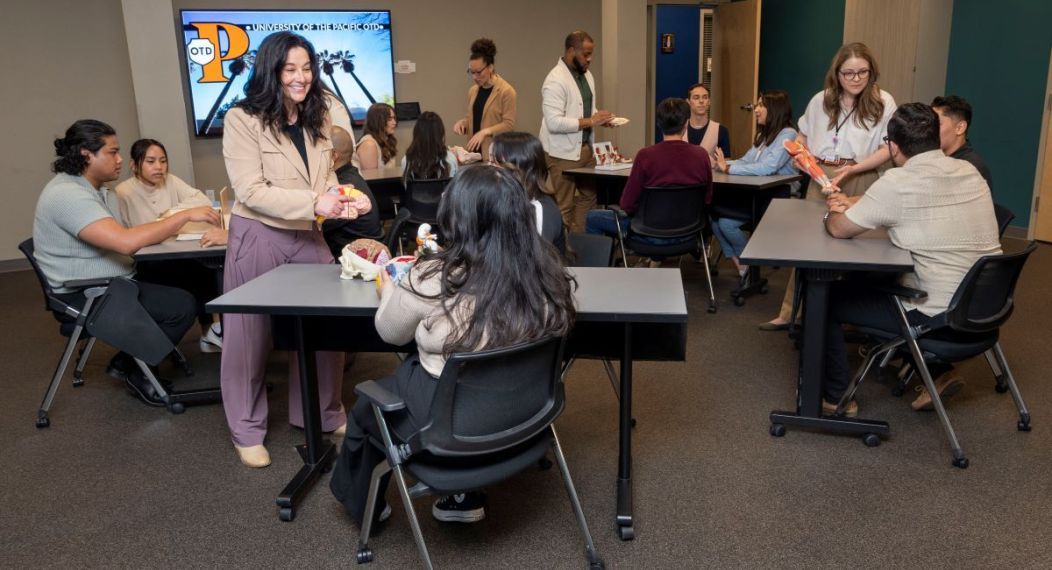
x,y
353,47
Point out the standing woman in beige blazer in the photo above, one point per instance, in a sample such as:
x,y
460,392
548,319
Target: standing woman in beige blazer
x,y
491,100
279,159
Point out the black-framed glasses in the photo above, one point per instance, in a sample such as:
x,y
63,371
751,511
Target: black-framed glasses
x,y
886,139
853,74
478,73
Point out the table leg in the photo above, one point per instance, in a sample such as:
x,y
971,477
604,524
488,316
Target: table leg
x,y
625,528
317,454
812,368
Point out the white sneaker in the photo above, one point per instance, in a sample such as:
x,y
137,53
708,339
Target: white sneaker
x,y
212,340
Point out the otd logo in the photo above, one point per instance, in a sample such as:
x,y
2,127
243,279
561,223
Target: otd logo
x,y
204,49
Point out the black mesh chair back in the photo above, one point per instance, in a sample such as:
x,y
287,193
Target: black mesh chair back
x,y
670,212
1004,217
422,198
590,250
984,299
493,400
51,303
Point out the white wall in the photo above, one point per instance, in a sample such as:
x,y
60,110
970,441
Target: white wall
x,y
66,60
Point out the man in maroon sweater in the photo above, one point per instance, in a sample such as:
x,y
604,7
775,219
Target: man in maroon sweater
x,y
671,162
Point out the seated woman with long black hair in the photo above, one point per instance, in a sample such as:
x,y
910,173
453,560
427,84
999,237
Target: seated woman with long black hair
x,y
774,125
495,284
523,153
427,157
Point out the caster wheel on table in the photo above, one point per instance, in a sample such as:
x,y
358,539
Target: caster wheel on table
x,y
712,307
960,462
596,565
871,440
287,514
1021,426
43,422
777,430
626,532
77,381
176,408
1001,388
739,301
365,555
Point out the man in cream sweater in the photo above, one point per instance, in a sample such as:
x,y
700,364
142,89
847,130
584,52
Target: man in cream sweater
x,y
567,127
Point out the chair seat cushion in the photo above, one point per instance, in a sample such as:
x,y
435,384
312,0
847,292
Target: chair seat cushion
x,y
445,475
945,345
650,249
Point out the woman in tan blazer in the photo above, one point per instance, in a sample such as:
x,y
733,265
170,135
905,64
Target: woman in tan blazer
x,y
279,159
491,100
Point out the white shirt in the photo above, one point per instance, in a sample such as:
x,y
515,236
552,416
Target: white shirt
x,y
853,142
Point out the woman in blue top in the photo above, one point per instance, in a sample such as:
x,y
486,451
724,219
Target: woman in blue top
x,y
774,124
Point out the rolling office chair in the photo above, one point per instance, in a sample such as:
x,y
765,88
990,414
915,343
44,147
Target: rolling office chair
x,y
674,213
485,426
969,327
421,199
139,335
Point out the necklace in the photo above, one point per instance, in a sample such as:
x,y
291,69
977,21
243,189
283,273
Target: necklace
x,y
836,132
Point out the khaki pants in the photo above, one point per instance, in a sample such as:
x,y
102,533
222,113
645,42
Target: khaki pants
x,y
574,200
854,186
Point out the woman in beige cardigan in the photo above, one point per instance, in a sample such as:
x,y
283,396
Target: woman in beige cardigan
x,y
491,100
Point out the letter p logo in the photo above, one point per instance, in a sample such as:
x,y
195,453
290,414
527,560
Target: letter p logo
x,y
204,50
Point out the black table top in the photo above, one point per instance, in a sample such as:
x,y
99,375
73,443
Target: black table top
x,y
604,294
791,234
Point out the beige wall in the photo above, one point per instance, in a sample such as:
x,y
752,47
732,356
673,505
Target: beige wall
x,y
436,35
72,63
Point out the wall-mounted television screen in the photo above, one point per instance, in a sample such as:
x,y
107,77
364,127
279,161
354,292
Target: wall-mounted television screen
x,y
353,46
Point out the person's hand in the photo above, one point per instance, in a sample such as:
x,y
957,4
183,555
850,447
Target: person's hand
x,y
214,236
600,118
475,144
461,127
841,173
839,203
331,205
205,214
383,280
721,161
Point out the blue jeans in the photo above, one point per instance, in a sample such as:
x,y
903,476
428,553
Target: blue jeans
x,y
730,235
601,222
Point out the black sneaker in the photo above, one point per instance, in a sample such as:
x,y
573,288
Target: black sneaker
x,y
463,507
142,389
120,365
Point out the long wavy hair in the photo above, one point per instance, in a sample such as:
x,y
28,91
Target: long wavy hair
x,y
523,154
376,125
425,159
264,95
779,116
495,268
869,106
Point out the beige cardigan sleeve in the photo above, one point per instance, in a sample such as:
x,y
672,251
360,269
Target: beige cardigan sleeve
x,y
257,177
186,196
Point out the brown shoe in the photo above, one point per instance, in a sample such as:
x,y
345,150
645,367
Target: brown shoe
x,y
946,385
850,410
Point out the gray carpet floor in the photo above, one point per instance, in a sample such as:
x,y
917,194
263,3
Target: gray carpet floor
x,y
113,483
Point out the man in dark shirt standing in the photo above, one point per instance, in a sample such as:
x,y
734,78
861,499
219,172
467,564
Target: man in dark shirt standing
x,y
671,162
955,116
340,232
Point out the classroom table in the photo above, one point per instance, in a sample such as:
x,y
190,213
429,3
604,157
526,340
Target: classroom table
x,y
382,174
633,314
792,234
386,184
187,249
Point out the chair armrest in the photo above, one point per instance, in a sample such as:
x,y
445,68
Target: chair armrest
x,y
379,396
900,291
85,283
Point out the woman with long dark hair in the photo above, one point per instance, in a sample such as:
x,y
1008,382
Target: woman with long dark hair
x,y
524,155
774,125
279,159
427,157
495,284
492,101
378,145
154,192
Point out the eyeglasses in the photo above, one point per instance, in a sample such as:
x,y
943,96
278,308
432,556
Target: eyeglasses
x,y
886,139
854,75
478,73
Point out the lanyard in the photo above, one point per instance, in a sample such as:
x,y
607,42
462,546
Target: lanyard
x,y
836,133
